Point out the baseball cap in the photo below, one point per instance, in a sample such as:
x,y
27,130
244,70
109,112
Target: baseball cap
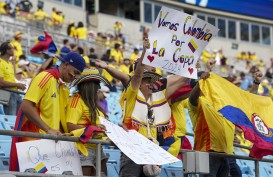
x,y
64,51
105,90
75,60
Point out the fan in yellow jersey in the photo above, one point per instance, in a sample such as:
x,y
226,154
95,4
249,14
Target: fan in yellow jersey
x,y
7,77
212,132
146,111
16,43
43,107
84,110
81,31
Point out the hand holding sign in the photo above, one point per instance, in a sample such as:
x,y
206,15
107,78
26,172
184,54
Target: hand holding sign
x,y
177,42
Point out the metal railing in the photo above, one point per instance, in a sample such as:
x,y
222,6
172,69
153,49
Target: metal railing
x,y
59,138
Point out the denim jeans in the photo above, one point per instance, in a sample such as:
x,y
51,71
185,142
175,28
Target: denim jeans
x,y
14,104
218,167
234,169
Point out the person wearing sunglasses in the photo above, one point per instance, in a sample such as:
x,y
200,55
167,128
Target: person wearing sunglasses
x,y
43,107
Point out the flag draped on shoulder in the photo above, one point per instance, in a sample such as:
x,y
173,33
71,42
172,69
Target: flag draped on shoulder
x,y
23,124
252,113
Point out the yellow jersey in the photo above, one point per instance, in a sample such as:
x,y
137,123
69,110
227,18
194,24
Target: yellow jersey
x,y
124,69
78,113
7,71
211,130
18,51
81,33
107,75
117,55
50,97
40,15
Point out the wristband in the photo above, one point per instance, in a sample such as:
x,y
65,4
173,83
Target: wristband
x,y
257,83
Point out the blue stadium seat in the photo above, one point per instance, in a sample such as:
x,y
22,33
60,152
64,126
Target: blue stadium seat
x,y
4,163
2,109
114,156
5,147
174,171
269,171
246,170
111,170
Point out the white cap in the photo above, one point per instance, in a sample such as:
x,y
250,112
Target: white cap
x,y
105,90
23,62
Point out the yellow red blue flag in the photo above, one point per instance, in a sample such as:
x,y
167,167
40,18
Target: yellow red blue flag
x,y
252,113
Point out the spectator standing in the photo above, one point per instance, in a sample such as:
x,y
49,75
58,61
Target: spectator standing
x,y
40,17
211,131
7,76
116,53
81,31
84,111
16,43
117,28
71,30
45,102
134,55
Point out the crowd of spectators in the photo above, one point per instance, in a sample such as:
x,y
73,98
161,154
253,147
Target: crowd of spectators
x,y
21,71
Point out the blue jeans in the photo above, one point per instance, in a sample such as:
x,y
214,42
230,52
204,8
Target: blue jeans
x,y
14,104
218,167
234,169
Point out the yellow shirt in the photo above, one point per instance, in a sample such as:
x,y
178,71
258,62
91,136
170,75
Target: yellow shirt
x,y
73,32
7,71
81,33
124,69
107,75
78,113
211,130
86,59
117,55
50,99
40,15
133,57
18,51
180,117
134,100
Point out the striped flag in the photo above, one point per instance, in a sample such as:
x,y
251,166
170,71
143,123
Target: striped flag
x,y
192,45
41,168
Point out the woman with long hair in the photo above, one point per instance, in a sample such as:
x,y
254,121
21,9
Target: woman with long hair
x,y
83,110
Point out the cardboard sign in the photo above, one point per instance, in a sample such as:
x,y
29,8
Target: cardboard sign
x,y
177,40
48,156
137,147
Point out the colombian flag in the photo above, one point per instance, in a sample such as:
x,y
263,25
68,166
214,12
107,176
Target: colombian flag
x,y
41,168
192,45
22,124
252,113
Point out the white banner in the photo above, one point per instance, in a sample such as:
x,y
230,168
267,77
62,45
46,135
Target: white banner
x,y
48,156
177,40
137,147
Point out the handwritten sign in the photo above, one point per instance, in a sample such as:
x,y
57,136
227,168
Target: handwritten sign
x,y
48,156
137,147
177,40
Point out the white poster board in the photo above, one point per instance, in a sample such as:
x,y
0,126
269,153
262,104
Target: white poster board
x,y
48,156
137,147
177,40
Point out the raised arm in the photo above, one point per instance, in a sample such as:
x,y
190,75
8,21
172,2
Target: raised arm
x,y
196,92
136,80
174,83
124,78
